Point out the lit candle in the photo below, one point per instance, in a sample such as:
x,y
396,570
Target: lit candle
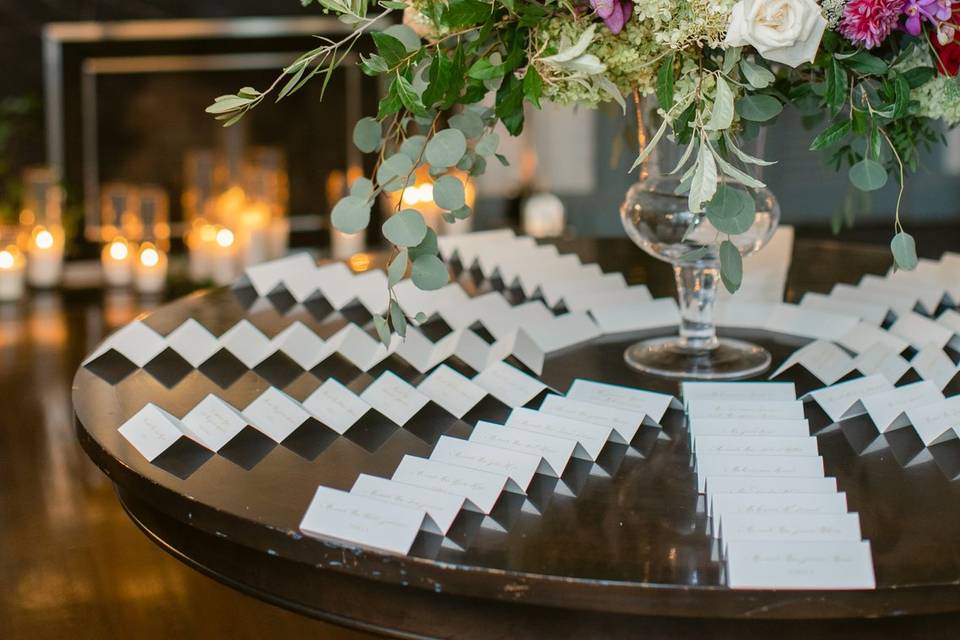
x,y
252,238
544,216
12,268
45,256
278,237
344,245
116,259
150,269
201,241
223,263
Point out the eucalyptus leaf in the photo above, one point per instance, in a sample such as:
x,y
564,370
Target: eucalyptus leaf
x,y
722,115
398,267
448,193
367,135
462,213
412,147
420,318
405,228
427,246
383,329
694,255
731,210
731,266
429,272
394,171
362,188
487,146
351,214
759,107
868,175
398,319
758,77
904,249
470,123
744,157
446,148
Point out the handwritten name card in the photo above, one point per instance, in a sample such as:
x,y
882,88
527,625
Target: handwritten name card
x,y
737,391
741,428
481,488
335,406
275,414
193,342
591,438
624,423
441,508
518,466
653,405
151,431
556,452
508,384
708,465
799,565
213,423
451,390
394,397
842,401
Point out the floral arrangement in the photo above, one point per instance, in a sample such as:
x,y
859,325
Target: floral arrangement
x,y
881,73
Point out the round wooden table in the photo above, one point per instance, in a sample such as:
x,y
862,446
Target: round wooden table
x,y
628,553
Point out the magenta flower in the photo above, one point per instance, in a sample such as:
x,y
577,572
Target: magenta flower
x,y
614,13
933,11
869,22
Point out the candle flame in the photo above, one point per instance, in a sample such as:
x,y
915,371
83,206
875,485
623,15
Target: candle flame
x,y
225,238
118,249
149,256
417,194
6,259
43,239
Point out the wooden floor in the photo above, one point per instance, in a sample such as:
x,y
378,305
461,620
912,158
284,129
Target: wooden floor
x,y
72,565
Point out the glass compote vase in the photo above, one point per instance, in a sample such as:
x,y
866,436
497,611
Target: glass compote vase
x,y
660,222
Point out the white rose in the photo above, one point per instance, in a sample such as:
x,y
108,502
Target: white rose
x,y
785,31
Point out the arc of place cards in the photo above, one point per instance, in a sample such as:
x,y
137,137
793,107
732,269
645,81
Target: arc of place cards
x,y
825,360
636,316
737,485
509,385
591,438
773,505
213,423
193,342
275,414
936,422
151,431
709,465
247,343
482,489
887,410
746,409
871,312
933,364
451,390
865,336
799,565
361,520
737,391
336,406
930,277
652,404
394,397
920,331
625,423
135,341
518,466
842,401
555,451
590,299
746,428
441,508
756,445
267,276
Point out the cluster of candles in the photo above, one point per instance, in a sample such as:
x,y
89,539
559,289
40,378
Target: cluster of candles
x,y
125,263
135,226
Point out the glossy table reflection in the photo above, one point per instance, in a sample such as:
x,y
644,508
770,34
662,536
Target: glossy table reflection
x,y
629,552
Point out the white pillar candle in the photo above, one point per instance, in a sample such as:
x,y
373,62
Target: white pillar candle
x,y
344,245
200,243
278,237
544,216
252,237
116,261
12,272
150,269
45,257
223,258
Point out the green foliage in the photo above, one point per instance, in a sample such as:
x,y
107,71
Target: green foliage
x,y
731,266
904,249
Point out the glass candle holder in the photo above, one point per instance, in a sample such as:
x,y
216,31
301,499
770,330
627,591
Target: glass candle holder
x,y
45,256
150,269
116,260
12,273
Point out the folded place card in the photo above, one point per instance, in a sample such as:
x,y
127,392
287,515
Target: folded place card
x,y
411,297
394,397
724,505
555,451
421,353
335,406
842,401
451,390
302,345
151,431
213,423
809,323
359,348
135,341
652,404
744,315
266,276
589,299
361,520
709,465
461,315
933,364
756,445
481,488
247,343
528,314
624,422
637,316
924,296
508,384
737,485
836,527
746,409
882,360
275,414
523,249
193,342
452,245
871,312
887,410
936,422
897,303
518,466
746,391
799,565
331,281
929,276
825,360
532,276
866,336
372,291
951,320
590,437
745,428
441,508
921,331
479,354
556,291
564,331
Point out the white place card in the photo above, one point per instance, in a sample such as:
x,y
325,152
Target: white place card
x,y
247,343
450,244
809,323
897,303
441,508
527,315
591,438
756,445
421,353
213,423
522,249
927,297
135,341
588,299
951,320
481,488
920,331
372,291
193,342
361,520
842,401
462,315
882,360
745,315
933,364
709,465
394,397
411,297
650,403
868,311
724,505
508,384
625,423
532,276
359,348
265,276
836,527
749,428
275,414
564,331
302,345
737,485
746,409
823,359
335,406
556,452
518,466
151,431
451,390
936,422
556,291
637,316
331,281
799,565
888,409
745,391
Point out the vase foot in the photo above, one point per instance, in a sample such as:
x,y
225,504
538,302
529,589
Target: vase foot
x,y
668,358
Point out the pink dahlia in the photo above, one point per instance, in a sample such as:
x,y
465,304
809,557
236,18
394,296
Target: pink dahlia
x,y
869,22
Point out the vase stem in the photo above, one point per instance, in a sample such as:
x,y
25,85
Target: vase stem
x,y
696,294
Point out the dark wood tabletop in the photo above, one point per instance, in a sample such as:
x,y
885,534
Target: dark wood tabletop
x,y
629,551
